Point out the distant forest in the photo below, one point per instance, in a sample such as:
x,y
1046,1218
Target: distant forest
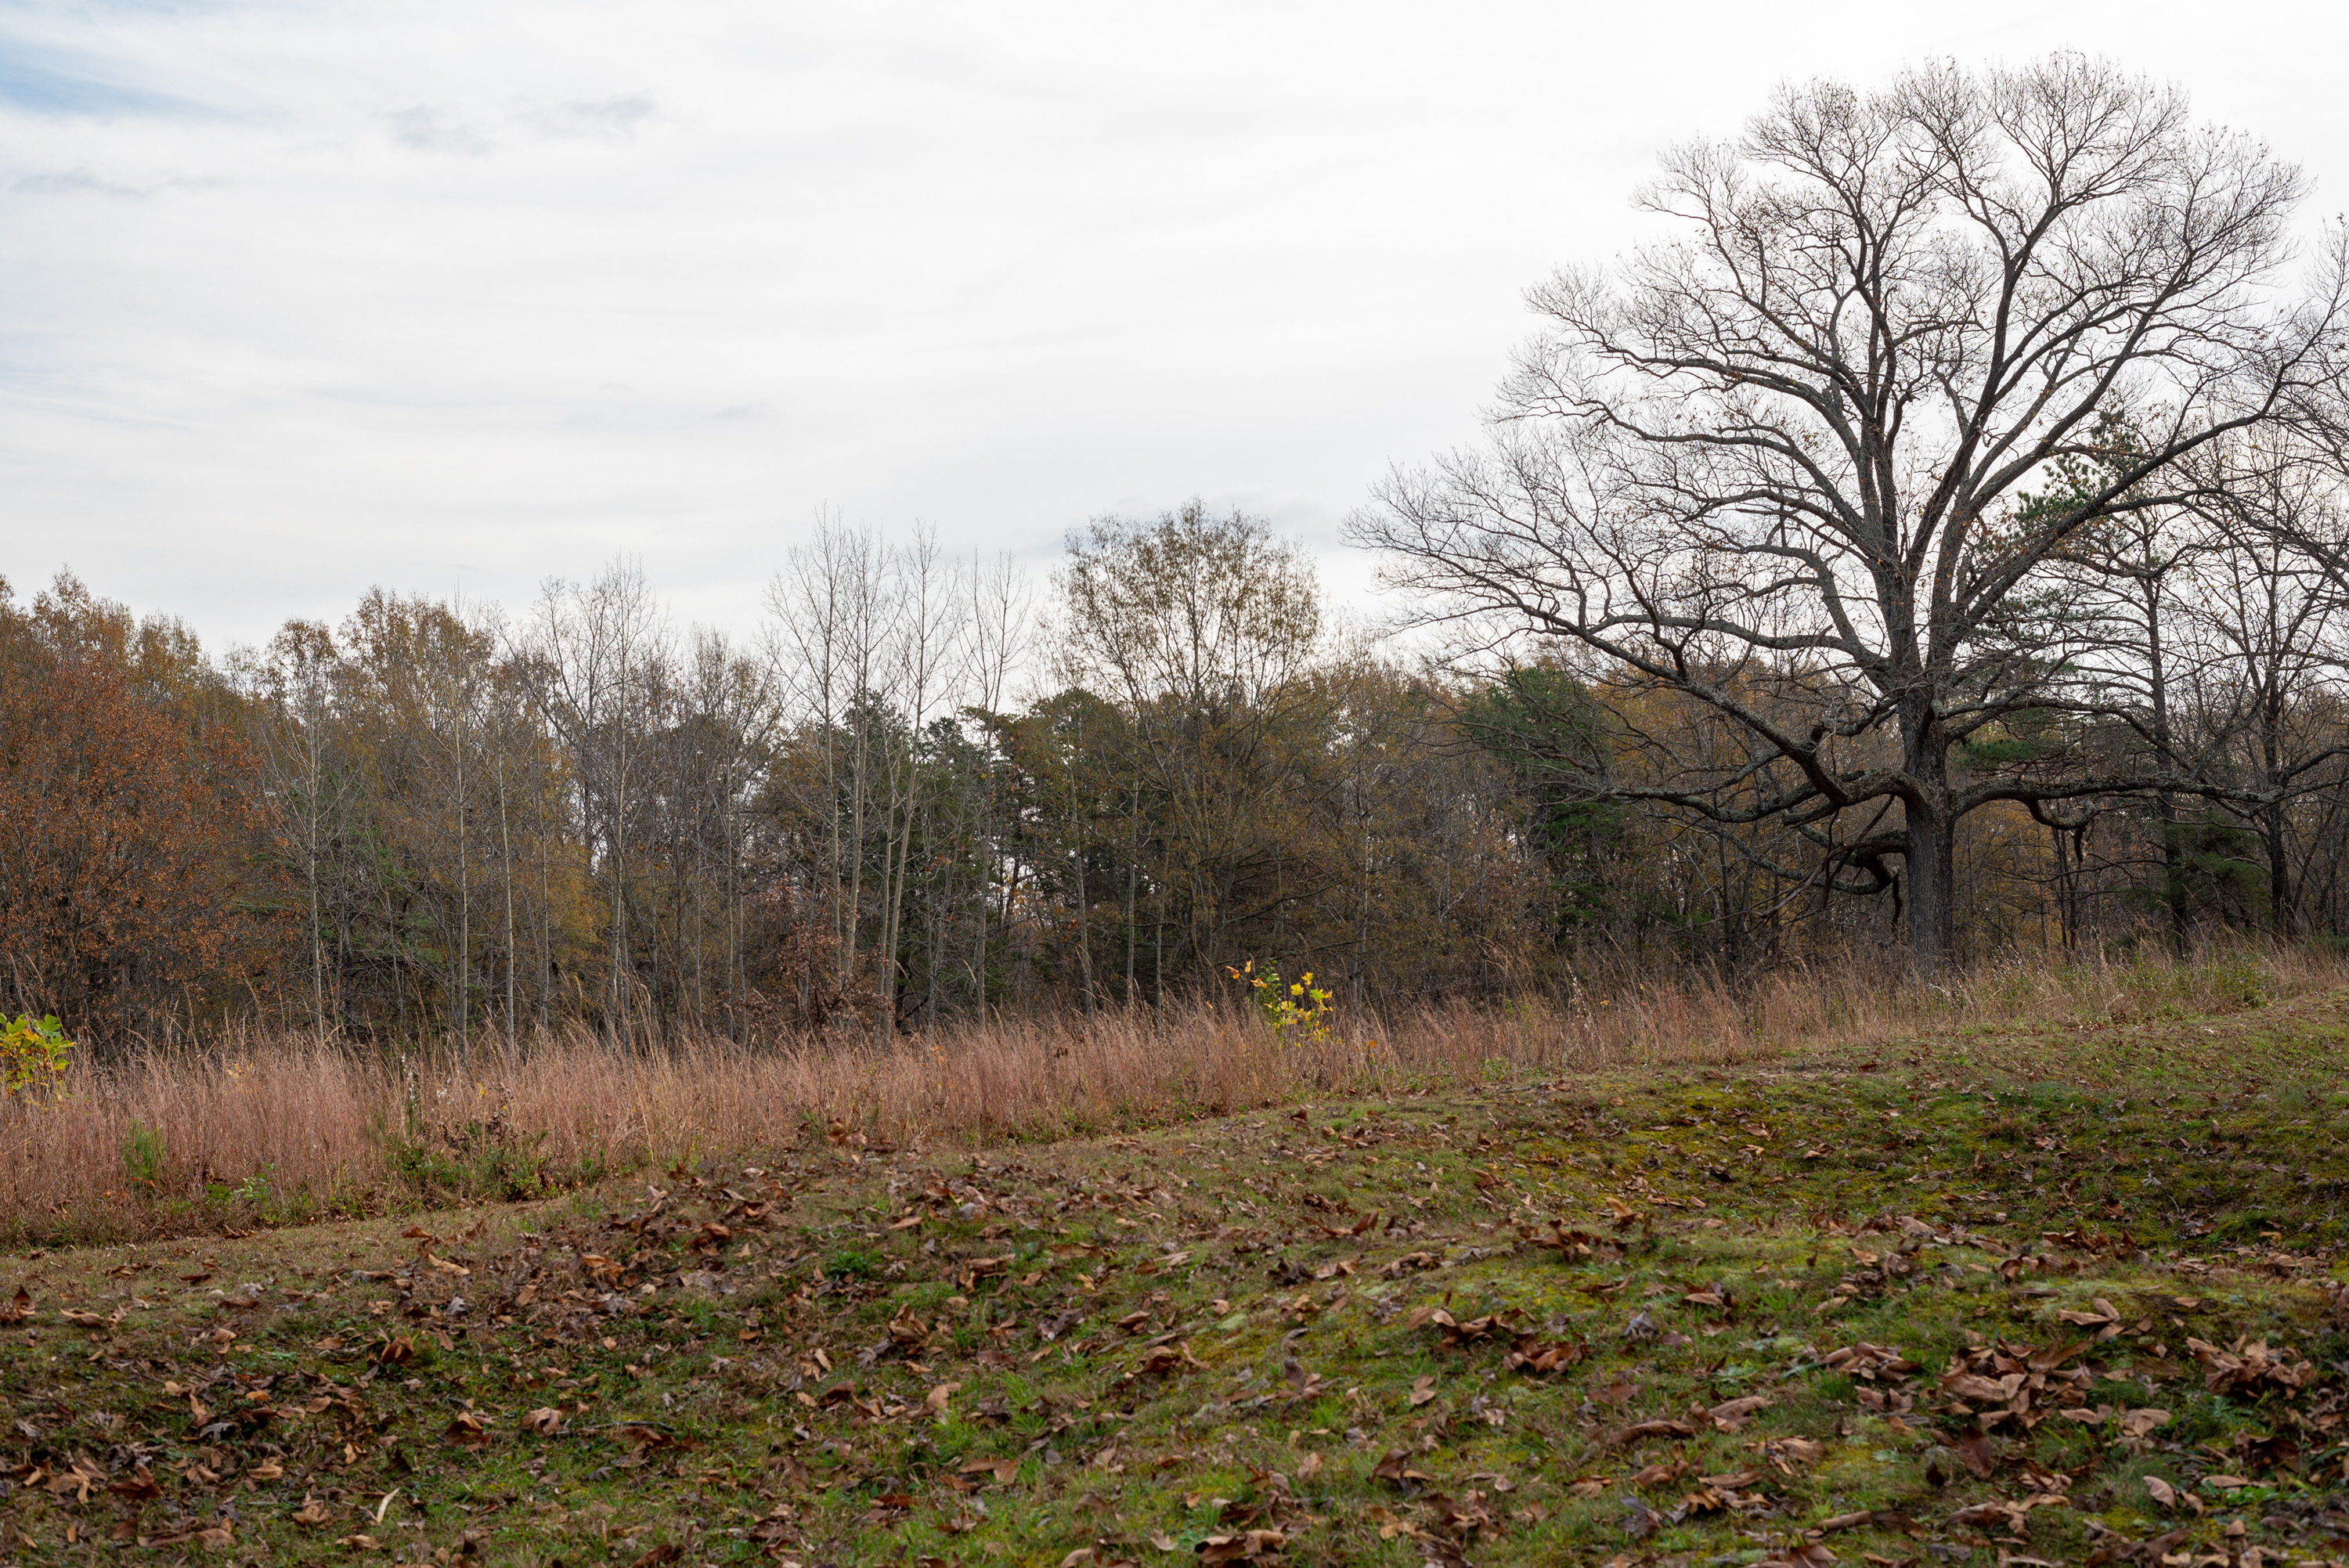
x,y
431,822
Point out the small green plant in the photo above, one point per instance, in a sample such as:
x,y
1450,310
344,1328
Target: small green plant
x,y
1294,1009
33,1056
144,1157
853,1262
486,1159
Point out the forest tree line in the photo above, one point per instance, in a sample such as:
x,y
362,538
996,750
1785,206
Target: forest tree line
x,y
929,788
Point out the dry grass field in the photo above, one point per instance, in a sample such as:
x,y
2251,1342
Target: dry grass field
x,y
2048,1276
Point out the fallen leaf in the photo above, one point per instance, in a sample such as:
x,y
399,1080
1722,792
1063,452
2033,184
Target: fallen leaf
x,y
79,1479
220,1533
1396,1467
1422,1391
138,1487
1641,1430
1003,1470
1988,1515
1733,1414
1251,1547
938,1397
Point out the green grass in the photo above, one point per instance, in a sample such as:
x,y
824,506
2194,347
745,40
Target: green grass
x,y
1525,1324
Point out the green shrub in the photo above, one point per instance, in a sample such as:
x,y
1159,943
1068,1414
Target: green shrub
x,y
144,1158
33,1053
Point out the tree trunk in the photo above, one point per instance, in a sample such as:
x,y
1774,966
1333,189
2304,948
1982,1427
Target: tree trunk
x,y
2279,871
1930,863
2173,874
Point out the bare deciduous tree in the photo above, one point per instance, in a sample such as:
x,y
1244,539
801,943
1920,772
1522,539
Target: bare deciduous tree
x,y
1784,463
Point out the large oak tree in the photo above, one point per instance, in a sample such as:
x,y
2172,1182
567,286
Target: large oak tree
x,y
1813,458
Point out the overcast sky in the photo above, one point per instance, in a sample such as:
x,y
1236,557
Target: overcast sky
x,y
297,299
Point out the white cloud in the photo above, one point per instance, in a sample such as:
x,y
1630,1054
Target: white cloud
x,y
426,130
76,182
610,119
442,293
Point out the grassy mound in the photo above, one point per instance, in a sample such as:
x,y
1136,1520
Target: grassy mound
x,y
2062,1293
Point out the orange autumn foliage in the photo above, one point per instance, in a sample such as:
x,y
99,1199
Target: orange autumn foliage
x,y
126,822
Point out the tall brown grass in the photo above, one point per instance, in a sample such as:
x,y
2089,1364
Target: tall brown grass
x,y
269,1129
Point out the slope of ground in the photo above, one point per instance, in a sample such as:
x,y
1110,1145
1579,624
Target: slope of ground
x,y
2033,1294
